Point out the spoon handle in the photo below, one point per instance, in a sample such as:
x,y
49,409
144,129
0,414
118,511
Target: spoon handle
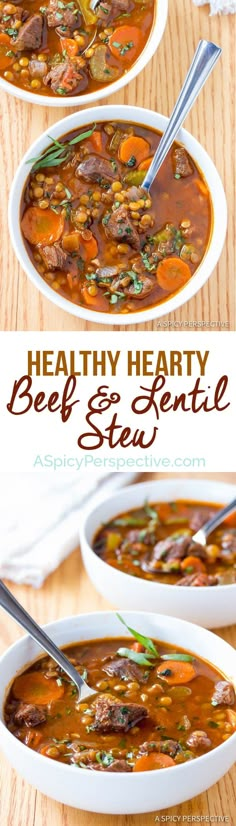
x,y
13,607
204,60
213,523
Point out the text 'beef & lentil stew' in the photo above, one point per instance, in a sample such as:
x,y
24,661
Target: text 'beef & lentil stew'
x,y
97,237
154,542
62,47
157,706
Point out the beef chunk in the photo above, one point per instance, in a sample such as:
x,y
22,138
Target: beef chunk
x,y
110,9
121,228
29,715
181,162
65,78
116,766
30,34
37,68
224,694
171,549
119,6
188,548
198,580
199,519
125,669
55,257
96,169
170,747
198,739
147,287
124,283
111,715
58,16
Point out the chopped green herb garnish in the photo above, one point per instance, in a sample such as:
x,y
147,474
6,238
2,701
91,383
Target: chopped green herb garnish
x,y
106,219
131,161
12,32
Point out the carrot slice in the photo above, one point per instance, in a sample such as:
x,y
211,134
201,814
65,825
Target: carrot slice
x,y
164,511
96,141
138,647
125,43
172,273
194,563
133,150
90,248
73,280
4,39
179,672
69,46
33,738
42,226
146,163
155,760
91,300
5,60
35,688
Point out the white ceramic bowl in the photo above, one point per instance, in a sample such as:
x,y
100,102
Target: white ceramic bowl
x,y
119,793
156,121
149,50
210,606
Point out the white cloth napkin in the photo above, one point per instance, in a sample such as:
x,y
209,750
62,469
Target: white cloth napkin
x,y
40,516
218,6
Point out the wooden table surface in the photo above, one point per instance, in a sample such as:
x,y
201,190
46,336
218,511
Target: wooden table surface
x,y
68,591
22,307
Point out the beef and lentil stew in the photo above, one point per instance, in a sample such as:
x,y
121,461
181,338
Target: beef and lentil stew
x,y
62,48
94,234
154,542
157,706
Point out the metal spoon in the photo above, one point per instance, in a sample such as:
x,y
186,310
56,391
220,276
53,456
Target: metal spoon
x,y
203,533
204,60
94,4
13,607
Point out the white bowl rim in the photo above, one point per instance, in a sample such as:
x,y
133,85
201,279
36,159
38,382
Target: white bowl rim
x,y
224,589
147,53
106,614
219,219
